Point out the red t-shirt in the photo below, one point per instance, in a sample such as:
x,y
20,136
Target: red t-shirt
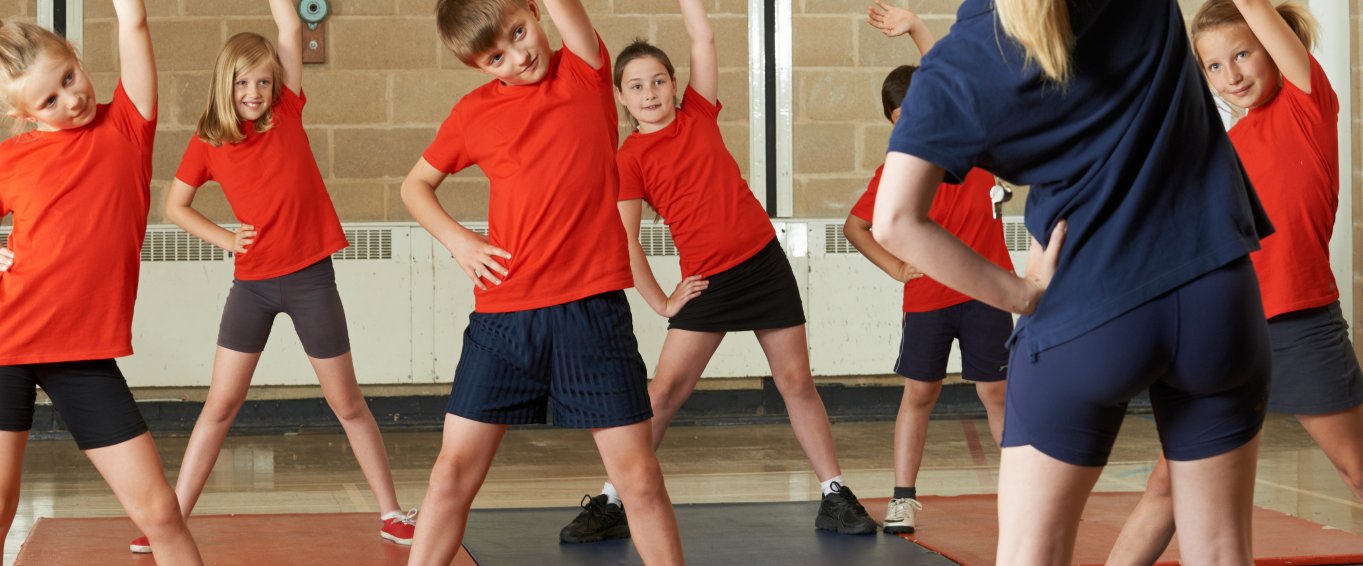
x,y
1290,150
272,182
79,199
549,151
685,172
966,212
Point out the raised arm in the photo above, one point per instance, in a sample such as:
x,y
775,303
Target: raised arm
x,y
903,227
644,281
290,43
135,56
470,249
894,21
704,61
575,27
1282,44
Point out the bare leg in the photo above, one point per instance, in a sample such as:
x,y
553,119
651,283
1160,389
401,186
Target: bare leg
x,y
683,359
992,394
788,355
1213,500
1150,527
232,372
12,446
1340,436
133,470
342,392
911,429
466,452
1040,502
634,470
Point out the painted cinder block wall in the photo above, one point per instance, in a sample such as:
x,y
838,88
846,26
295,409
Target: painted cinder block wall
x,y
387,84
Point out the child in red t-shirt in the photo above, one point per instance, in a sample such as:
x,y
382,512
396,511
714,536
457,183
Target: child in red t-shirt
x,y
77,188
735,275
1258,59
250,139
934,314
551,319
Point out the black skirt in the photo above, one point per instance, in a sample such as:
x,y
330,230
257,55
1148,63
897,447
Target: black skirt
x,y
759,294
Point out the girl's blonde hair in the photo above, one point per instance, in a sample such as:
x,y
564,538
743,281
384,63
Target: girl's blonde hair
x,y
1043,28
20,45
219,123
1217,13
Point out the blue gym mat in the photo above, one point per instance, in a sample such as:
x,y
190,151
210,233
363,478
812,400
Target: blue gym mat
x,y
737,534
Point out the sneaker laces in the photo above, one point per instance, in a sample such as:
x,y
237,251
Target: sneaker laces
x,y
848,497
899,507
409,518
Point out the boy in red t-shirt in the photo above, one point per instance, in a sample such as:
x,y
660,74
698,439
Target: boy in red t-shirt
x,y
934,314
551,319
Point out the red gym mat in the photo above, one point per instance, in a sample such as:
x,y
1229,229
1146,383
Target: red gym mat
x,y
327,539
965,530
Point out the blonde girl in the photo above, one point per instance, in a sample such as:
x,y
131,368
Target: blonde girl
x,y
1258,61
77,187
251,140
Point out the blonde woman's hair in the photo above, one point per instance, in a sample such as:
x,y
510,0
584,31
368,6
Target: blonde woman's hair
x,y
20,45
219,123
1043,28
1217,13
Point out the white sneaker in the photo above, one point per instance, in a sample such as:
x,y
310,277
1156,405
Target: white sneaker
x,y
901,515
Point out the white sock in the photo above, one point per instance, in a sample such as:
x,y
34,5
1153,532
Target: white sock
x,y
612,496
827,486
391,515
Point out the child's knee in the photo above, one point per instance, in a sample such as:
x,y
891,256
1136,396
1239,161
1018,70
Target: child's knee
x,y
920,396
992,393
795,383
349,408
158,514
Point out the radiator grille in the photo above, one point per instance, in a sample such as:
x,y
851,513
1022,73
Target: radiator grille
x,y
367,243
656,240
1015,235
834,240
179,246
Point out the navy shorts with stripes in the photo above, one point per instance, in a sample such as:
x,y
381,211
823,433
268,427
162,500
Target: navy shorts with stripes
x,y
583,355
1202,350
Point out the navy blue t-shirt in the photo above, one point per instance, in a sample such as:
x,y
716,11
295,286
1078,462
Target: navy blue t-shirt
x,y
1131,152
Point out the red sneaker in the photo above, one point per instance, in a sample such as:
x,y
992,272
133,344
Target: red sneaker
x,y
140,545
400,528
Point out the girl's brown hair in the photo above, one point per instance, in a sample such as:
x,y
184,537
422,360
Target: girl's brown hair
x,y
20,45
1217,13
219,123
1043,28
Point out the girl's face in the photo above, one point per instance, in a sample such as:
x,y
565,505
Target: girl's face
x,y
55,93
1237,66
253,93
648,92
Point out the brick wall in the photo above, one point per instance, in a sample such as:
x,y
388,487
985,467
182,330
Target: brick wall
x,y
386,86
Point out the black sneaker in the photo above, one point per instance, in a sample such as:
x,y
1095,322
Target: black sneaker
x,y
842,513
598,521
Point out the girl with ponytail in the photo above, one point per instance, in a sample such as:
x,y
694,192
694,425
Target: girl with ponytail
x,y
1258,60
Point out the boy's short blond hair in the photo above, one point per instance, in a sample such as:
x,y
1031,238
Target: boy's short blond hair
x,y
470,27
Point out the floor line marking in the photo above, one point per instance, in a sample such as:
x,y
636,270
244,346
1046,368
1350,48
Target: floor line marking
x,y
356,497
1315,494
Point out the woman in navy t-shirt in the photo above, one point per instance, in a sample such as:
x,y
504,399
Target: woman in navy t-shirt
x,y
1140,280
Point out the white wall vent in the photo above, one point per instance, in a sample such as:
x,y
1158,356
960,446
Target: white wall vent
x,y
367,243
835,242
1015,234
656,240
176,245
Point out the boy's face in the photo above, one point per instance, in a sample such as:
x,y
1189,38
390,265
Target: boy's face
x,y
521,54
56,94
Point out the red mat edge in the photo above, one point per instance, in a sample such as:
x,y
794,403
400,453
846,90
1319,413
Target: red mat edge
x,y
1333,560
